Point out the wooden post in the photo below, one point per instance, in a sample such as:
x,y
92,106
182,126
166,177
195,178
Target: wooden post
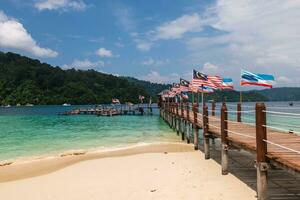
x,y
239,113
187,111
213,108
195,126
187,135
182,121
205,132
261,151
177,118
224,141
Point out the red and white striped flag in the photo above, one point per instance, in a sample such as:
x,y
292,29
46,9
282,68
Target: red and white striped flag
x,y
200,79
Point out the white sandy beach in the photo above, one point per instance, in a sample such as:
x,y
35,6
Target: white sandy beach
x,y
165,171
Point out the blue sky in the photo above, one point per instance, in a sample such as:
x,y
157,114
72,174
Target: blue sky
x,y
157,40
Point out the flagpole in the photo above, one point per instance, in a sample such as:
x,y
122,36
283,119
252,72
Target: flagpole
x,y
202,96
241,97
193,97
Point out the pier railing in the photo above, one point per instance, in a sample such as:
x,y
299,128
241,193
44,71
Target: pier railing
x,y
247,129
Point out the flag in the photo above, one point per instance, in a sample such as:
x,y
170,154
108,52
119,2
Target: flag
x,y
141,98
206,89
216,80
176,88
227,83
200,79
193,88
184,95
115,101
184,85
249,78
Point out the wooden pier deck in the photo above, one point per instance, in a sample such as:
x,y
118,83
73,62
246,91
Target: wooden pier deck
x,y
112,110
244,135
272,146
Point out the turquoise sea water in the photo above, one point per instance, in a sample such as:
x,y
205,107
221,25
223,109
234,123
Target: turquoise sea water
x,y
39,130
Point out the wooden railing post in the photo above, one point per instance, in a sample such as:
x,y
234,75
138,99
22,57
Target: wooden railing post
x,y
261,151
213,108
173,116
177,119
205,132
182,121
224,140
239,113
187,111
195,126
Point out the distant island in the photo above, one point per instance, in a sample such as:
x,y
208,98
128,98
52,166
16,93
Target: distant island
x,y
28,81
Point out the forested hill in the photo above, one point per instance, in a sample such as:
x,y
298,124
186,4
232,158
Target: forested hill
x,y
282,94
24,80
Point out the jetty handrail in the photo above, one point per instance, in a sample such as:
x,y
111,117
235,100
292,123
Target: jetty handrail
x,y
244,134
236,133
244,111
281,146
288,125
280,129
286,108
282,113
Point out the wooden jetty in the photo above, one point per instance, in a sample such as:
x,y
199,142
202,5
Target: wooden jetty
x,y
113,110
271,146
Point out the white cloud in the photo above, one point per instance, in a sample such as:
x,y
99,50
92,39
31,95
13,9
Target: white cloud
x,y
124,15
102,52
177,28
209,68
259,35
84,64
156,77
77,5
156,63
13,35
143,45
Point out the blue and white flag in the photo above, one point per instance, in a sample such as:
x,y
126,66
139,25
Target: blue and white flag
x,y
227,83
249,78
206,89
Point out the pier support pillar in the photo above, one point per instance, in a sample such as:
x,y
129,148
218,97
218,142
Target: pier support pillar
x,y
261,152
205,133
178,125
182,129
224,140
187,132
196,137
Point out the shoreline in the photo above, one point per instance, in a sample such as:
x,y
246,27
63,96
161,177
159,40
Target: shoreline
x,y
36,166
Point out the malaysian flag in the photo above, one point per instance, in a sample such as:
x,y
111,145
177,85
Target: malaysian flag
x,y
200,79
176,88
184,85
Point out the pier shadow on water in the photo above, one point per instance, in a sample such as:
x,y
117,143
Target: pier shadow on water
x,y
281,184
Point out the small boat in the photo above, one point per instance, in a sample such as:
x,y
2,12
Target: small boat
x,y
8,106
291,103
29,105
66,104
18,105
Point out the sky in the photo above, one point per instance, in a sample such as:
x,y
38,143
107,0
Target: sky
x,y
158,40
